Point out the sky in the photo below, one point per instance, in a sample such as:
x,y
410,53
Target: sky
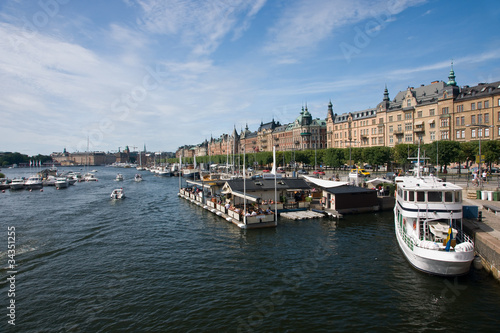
x,y
102,75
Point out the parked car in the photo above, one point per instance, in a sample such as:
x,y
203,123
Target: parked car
x,y
302,172
390,175
361,171
318,172
266,171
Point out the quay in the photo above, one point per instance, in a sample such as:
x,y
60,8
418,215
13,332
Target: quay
x,y
485,229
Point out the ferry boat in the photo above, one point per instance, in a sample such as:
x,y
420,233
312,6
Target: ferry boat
x,y
428,225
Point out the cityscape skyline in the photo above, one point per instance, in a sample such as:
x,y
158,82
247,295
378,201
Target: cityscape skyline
x,y
169,73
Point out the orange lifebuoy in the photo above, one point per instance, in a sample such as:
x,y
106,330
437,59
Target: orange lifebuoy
x,y
414,225
332,201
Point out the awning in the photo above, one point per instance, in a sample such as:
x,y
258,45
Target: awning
x,y
432,121
324,183
418,123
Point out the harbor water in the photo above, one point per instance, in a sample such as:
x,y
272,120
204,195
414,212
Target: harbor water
x,y
154,262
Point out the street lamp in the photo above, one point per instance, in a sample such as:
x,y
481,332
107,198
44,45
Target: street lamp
x,y
479,126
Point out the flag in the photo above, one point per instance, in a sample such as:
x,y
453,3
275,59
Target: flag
x,y
448,239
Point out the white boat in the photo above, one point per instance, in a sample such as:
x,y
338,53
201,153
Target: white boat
x,y
61,182
119,177
17,184
89,177
33,182
428,225
138,178
117,194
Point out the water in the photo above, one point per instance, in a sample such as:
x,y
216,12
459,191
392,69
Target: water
x,y
156,263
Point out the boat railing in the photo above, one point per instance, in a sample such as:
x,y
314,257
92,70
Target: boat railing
x,y
409,241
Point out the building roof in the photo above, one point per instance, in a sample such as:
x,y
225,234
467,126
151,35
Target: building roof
x,y
349,189
268,184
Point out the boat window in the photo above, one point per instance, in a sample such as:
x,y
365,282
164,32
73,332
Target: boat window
x,y
421,196
458,196
411,196
435,196
448,196
406,195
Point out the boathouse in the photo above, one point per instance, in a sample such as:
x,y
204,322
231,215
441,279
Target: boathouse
x,y
291,193
344,198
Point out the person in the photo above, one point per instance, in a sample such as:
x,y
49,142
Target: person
x,y
484,175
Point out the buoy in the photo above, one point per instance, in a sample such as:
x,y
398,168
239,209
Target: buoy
x,y
41,190
3,191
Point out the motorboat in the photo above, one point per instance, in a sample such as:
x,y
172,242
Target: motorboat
x,y
138,178
119,177
17,184
61,182
117,194
33,182
428,225
89,177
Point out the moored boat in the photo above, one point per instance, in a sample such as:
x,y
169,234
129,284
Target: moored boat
x,y
61,182
34,182
428,225
89,177
17,184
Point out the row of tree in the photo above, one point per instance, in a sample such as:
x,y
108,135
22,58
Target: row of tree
x,y
441,153
18,158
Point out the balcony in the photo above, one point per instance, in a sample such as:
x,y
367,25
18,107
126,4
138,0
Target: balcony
x,y
398,132
419,129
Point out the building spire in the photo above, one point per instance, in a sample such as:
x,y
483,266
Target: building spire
x,y
451,77
386,94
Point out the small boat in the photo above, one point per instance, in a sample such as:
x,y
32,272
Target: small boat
x,y
17,184
117,194
138,178
119,177
89,177
61,182
34,182
428,225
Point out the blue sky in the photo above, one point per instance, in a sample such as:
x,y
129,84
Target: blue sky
x,y
164,73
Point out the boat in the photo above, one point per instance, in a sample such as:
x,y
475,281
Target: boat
x,y
61,182
428,224
117,194
89,177
119,177
17,184
138,178
33,182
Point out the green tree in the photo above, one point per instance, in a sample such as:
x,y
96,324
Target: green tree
x,y
401,153
377,156
491,151
443,152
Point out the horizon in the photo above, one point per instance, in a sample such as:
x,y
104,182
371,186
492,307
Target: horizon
x,y
165,74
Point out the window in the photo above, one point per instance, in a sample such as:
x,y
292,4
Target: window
x,y
391,129
486,132
408,102
399,117
472,106
400,128
479,118
408,138
498,102
445,110
473,119
411,196
421,196
432,125
479,105
458,134
431,111
408,115
434,196
444,122
390,117
391,138
448,196
419,114
445,135
486,118
432,135
480,132
457,121
463,134
408,127
460,108
473,133
486,104
462,121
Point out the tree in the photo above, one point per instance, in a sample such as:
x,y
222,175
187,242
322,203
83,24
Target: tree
x,y
401,152
443,152
491,151
377,155
334,157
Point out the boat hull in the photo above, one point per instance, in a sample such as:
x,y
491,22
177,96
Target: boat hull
x,y
434,262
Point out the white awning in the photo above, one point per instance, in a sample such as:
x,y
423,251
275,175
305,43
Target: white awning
x,y
418,123
248,196
324,183
432,121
